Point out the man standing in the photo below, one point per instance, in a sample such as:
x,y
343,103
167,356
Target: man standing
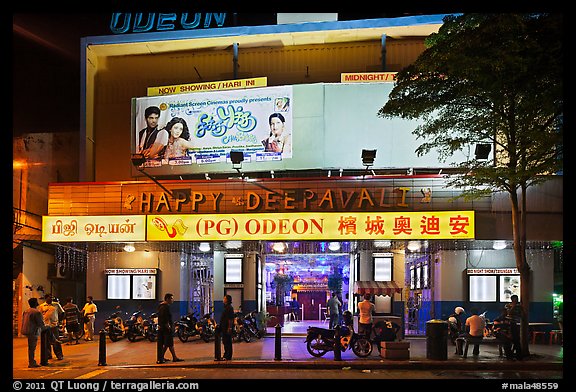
x,y
334,306
165,330
515,313
226,325
50,311
72,313
151,141
32,324
89,310
365,308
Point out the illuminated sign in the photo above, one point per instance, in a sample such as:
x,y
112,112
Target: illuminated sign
x,y
93,228
131,271
368,77
492,271
208,86
312,226
125,22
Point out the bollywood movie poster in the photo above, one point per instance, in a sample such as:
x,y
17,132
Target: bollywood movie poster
x,y
203,127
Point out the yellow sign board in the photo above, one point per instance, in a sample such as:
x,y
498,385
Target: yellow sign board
x,y
208,86
337,226
93,228
368,77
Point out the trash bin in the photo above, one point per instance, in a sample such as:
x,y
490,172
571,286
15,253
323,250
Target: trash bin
x,y
437,339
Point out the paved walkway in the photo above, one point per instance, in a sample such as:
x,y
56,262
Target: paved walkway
x,y
290,352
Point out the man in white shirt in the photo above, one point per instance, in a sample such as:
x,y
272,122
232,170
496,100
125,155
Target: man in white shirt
x,y
89,310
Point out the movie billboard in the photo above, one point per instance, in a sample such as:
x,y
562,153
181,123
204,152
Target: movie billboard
x,y
203,127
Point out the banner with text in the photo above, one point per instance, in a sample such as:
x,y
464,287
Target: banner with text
x,y
342,226
203,127
93,228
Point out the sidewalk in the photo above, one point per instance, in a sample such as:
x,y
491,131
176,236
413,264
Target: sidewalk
x,y
292,353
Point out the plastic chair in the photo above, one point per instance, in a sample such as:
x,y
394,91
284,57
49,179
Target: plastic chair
x,y
537,334
555,336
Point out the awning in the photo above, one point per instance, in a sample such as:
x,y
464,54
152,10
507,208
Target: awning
x,y
376,287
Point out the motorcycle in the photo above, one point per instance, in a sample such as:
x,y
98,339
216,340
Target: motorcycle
x,y
186,327
206,327
114,326
241,330
151,327
135,326
488,326
252,324
321,340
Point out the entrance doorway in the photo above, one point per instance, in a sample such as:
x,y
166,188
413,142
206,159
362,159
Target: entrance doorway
x,y
313,304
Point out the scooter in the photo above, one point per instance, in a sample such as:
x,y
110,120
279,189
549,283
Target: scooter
x,y
151,327
135,326
186,327
114,326
206,327
321,340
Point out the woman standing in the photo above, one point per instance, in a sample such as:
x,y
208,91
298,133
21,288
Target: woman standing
x,y
178,142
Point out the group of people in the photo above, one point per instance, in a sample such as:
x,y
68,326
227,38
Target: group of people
x,y
506,328
173,141
166,330
48,317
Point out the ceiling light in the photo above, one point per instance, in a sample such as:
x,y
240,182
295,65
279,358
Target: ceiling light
x,y
382,243
129,248
204,247
233,244
413,246
499,245
279,247
334,246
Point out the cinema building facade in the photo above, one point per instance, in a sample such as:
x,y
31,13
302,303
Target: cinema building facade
x,y
316,214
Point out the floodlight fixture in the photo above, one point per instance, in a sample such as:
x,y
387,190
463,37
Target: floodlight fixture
x,y
368,157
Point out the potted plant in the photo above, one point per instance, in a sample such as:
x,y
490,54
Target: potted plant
x,y
283,283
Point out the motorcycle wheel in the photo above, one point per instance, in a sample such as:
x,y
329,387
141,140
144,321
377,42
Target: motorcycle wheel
x,y
246,335
113,336
182,335
205,337
362,347
131,336
151,336
313,347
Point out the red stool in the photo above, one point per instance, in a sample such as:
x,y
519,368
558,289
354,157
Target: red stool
x,y
555,336
536,334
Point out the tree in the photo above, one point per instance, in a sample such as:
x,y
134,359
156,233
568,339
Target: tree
x,y
495,79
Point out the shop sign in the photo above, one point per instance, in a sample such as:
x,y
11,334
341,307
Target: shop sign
x,y
93,228
131,271
125,22
368,77
208,86
492,271
312,226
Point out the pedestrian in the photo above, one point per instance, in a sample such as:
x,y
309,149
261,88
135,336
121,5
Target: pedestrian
x,y
89,311
226,325
72,317
32,325
365,309
502,331
50,312
334,306
166,330
515,314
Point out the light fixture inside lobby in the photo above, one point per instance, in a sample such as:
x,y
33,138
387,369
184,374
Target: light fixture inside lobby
x,y
204,247
382,243
129,248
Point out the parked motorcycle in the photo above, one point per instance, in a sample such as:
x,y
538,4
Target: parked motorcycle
x,y
114,326
135,326
206,327
321,340
241,330
186,327
252,324
151,327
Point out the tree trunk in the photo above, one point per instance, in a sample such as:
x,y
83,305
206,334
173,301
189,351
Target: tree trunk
x,y
519,233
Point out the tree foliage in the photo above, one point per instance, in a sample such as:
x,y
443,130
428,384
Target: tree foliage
x,y
493,78
497,79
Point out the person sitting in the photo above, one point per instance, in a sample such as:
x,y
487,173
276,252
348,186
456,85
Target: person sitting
x,y
474,329
385,331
